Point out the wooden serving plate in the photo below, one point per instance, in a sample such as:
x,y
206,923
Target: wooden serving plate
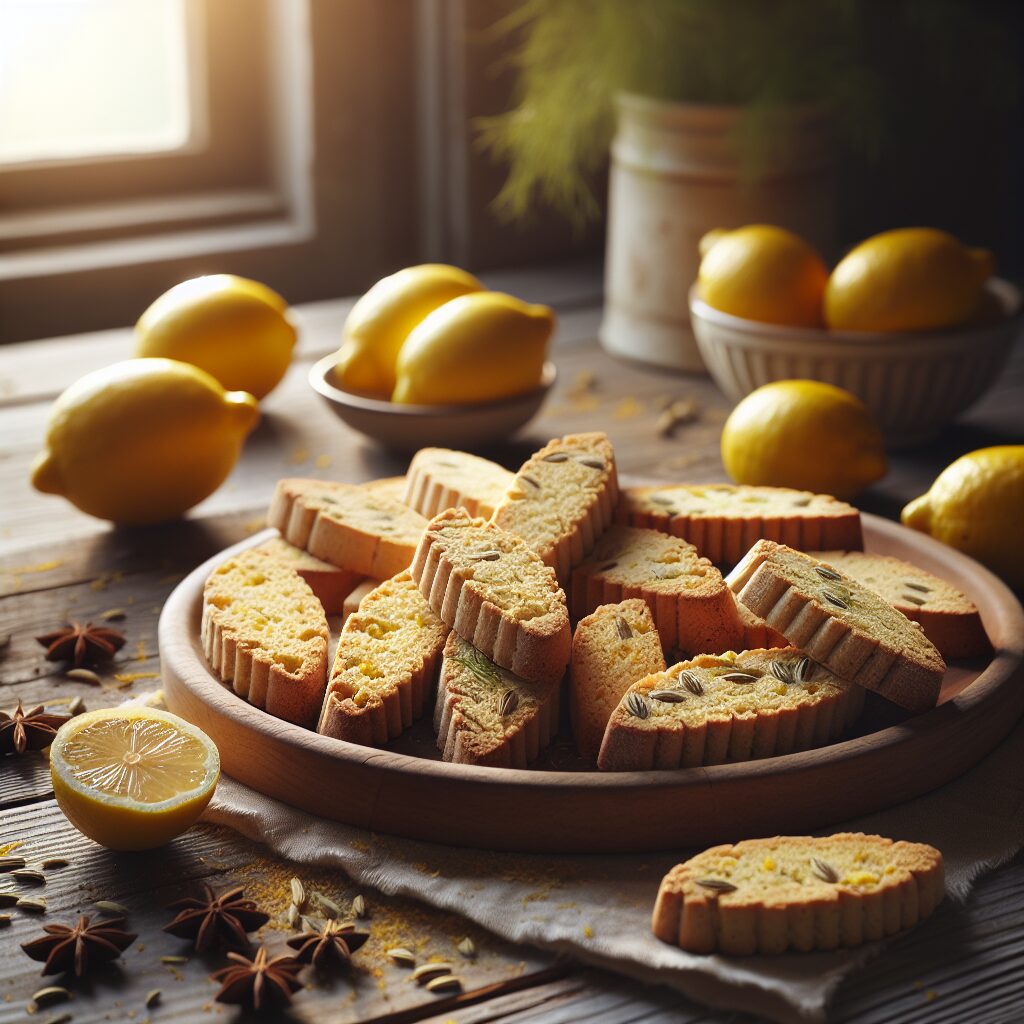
x,y
405,790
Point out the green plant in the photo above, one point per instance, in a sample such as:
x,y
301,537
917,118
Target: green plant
x,y
573,56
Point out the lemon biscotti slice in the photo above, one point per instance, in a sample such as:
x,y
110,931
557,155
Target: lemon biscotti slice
x,y
948,617
265,633
840,623
347,525
691,604
486,715
495,592
330,584
723,520
562,499
736,707
797,892
611,650
384,666
439,478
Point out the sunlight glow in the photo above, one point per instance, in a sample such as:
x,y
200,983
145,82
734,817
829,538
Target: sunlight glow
x,y
84,78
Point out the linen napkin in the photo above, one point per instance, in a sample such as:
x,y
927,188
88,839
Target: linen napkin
x,y
597,908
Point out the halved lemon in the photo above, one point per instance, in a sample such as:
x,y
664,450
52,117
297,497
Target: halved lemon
x,y
132,778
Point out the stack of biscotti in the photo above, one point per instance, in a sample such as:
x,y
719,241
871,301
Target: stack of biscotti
x,y
562,499
330,584
948,617
797,892
611,649
496,593
265,633
439,478
486,715
384,666
348,525
736,707
691,604
840,623
723,520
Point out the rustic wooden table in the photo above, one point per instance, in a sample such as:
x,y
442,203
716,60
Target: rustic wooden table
x,y
965,964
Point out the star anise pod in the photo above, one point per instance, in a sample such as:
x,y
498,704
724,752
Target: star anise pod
x,y
22,730
334,941
221,919
66,948
263,983
84,645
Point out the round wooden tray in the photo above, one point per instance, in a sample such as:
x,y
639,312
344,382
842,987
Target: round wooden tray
x,y
415,795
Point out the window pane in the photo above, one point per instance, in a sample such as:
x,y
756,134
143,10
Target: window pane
x,y
92,77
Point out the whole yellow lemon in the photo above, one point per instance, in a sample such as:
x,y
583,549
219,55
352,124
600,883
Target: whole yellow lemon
x,y
143,440
381,320
233,328
910,279
132,778
975,506
803,434
476,348
762,272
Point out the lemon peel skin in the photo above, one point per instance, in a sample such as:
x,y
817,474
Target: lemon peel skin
x,y
142,441
237,330
803,434
974,505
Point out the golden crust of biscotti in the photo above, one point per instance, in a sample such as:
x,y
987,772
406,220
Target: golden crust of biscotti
x,y
330,584
439,478
691,604
348,525
562,499
384,666
733,707
840,623
949,618
723,520
496,593
265,633
612,648
799,893
757,634
486,715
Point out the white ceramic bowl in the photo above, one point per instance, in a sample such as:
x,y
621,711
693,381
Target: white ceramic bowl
x,y
409,427
912,383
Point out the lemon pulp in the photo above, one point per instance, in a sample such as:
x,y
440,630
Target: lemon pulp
x,y
146,761
132,778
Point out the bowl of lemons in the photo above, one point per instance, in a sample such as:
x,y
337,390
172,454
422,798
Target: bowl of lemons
x,y
911,321
429,356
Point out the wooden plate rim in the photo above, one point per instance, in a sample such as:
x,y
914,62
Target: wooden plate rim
x,y
180,608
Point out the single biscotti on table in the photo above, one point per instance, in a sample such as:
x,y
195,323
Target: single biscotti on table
x,y
840,623
737,707
439,478
347,525
723,520
265,633
948,617
385,665
495,592
330,584
691,604
562,499
797,892
486,715
611,649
